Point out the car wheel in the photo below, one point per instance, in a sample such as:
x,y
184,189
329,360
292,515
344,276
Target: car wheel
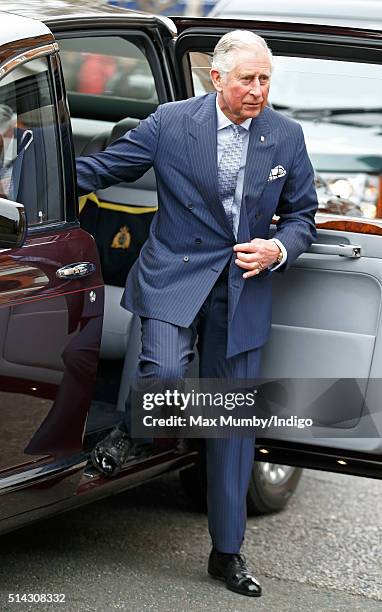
x,y
270,487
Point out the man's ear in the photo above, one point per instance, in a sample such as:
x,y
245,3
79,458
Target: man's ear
x,y
216,79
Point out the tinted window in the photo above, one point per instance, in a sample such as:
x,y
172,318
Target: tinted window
x,y
29,154
108,77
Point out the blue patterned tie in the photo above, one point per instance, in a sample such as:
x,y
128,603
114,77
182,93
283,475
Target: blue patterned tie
x,y
228,169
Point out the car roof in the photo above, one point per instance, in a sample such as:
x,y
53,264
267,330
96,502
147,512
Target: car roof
x,y
25,21
16,27
352,13
46,9
32,18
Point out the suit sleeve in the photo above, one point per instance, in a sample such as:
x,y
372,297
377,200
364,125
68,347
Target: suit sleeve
x,y
296,228
125,159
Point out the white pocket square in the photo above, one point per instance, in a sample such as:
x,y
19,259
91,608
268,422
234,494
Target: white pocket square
x,y
276,172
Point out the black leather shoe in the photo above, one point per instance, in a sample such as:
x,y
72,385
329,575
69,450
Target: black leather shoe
x,y
109,455
232,569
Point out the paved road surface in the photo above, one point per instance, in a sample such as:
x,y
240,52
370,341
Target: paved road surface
x,y
144,550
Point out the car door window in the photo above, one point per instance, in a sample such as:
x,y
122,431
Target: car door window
x,y
113,83
29,144
108,77
338,105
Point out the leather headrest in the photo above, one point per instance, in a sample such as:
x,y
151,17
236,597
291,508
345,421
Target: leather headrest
x,y
122,127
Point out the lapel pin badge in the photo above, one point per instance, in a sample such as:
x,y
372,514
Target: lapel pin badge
x,y
262,138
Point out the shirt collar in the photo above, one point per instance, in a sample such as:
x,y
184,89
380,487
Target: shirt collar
x,y
223,120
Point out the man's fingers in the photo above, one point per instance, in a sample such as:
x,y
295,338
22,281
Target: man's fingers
x,y
250,254
251,273
250,265
246,257
245,246
250,247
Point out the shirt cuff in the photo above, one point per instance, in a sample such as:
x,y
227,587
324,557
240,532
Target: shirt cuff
x,y
284,252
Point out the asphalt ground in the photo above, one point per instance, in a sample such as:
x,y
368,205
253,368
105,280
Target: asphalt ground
x,y
145,550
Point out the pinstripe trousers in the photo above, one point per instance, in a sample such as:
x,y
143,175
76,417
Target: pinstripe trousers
x,y
166,353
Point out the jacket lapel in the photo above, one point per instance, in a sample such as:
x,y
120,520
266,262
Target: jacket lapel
x,y
201,130
260,153
261,146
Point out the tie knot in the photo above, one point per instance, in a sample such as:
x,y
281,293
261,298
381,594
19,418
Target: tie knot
x,y
238,129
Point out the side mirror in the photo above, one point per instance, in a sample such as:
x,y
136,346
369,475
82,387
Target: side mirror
x,y
13,226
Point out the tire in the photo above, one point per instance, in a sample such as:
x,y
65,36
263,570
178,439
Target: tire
x,y
270,487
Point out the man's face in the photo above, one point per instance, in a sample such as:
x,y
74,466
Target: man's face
x,y
243,92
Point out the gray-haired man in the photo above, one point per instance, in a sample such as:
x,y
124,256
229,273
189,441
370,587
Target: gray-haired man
x,y
205,269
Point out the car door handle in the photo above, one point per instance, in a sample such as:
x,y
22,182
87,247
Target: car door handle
x,y
76,270
343,250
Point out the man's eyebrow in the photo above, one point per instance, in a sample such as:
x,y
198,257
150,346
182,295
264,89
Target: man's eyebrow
x,y
247,73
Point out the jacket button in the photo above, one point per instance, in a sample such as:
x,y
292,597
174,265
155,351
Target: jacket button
x,y
186,258
258,215
190,206
198,240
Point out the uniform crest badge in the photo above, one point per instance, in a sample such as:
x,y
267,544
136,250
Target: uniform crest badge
x,y
122,239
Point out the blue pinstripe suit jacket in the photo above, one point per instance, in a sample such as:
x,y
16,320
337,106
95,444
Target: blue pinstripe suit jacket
x,y
190,239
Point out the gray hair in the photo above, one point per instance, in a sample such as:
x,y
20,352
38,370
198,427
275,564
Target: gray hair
x,y
223,57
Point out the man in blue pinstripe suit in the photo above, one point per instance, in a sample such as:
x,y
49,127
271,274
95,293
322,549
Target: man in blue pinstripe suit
x,y
225,163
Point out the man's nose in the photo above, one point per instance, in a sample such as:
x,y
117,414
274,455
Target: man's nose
x,y
255,89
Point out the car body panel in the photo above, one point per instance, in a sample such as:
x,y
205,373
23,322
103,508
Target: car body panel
x,y
50,335
18,31
50,327
68,13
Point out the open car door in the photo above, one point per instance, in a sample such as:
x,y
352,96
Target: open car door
x,y
51,289
323,360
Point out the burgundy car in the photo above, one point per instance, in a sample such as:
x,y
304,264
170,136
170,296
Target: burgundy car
x,y
71,81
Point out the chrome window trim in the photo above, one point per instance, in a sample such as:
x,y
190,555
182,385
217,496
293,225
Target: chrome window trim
x,y
49,51
26,56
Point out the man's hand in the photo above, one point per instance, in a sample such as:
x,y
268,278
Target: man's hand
x,y
256,256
